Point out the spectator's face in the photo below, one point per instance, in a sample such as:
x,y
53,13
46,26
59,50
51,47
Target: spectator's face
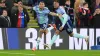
x,y
3,5
20,9
20,3
41,5
4,13
86,6
56,4
67,3
98,11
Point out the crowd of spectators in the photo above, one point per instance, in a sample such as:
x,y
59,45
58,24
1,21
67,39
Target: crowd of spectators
x,y
14,15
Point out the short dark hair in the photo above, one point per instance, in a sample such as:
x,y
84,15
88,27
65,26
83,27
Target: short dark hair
x,y
67,0
16,1
56,1
85,3
4,10
41,2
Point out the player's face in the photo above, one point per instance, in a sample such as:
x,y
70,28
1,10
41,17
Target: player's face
x,y
41,5
56,4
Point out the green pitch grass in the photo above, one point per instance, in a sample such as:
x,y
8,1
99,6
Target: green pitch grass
x,y
49,53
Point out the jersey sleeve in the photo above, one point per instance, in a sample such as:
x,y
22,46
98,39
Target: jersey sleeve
x,y
63,10
47,11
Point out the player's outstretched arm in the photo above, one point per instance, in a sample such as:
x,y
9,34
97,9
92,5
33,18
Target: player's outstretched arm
x,y
53,14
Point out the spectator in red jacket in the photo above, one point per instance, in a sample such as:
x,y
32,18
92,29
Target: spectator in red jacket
x,y
85,16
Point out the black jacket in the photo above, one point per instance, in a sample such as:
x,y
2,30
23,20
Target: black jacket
x,y
5,22
14,18
62,2
97,21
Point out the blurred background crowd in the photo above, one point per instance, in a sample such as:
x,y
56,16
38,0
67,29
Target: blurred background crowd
x,y
19,13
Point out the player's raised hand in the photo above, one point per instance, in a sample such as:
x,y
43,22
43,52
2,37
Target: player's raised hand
x,y
53,14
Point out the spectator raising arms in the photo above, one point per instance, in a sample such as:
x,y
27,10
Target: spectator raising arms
x,y
77,6
21,18
85,16
15,7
